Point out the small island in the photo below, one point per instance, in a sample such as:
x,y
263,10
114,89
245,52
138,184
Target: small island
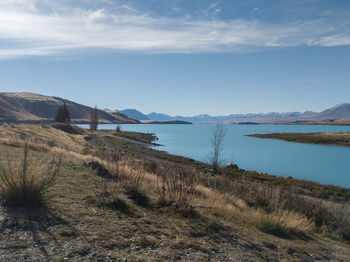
x,y
165,122
338,139
248,123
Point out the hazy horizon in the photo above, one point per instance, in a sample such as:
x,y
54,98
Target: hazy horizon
x,y
233,113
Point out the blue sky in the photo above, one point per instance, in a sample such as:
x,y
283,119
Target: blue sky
x,y
179,57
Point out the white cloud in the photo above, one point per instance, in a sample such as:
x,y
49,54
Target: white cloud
x,y
334,40
27,30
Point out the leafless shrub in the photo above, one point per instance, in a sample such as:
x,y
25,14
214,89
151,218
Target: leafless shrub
x,y
218,134
134,175
175,186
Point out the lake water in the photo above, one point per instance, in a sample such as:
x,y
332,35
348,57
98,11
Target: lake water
x,y
323,164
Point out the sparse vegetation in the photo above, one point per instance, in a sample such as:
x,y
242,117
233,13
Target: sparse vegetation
x,y
119,128
218,134
62,114
283,224
175,186
94,119
338,139
24,182
134,177
118,198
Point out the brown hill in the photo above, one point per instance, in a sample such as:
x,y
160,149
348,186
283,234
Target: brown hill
x,y
33,108
338,112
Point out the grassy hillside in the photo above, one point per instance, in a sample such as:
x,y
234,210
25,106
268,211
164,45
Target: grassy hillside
x,y
34,108
115,199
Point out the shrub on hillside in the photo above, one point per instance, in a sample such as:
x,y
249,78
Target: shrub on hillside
x,y
24,182
175,186
62,114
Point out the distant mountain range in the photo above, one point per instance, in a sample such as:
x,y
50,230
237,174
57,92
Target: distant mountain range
x,y
134,114
337,113
33,108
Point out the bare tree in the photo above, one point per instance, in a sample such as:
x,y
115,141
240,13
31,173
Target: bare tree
x,y
218,134
94,119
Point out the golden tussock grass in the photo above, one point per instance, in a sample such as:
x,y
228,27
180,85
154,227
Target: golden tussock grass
x,y
281,223
24,181
231,208
42,138
170,184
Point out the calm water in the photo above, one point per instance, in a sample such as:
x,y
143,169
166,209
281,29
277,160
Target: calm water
x,y
323,164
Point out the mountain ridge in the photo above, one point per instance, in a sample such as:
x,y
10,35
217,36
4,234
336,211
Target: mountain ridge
x,y
340,112
27,107
134,114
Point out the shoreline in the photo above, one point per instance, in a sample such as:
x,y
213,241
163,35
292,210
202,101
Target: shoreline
x,y
172,157
118,193
317,138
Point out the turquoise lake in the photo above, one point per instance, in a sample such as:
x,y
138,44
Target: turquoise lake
x,y
319,163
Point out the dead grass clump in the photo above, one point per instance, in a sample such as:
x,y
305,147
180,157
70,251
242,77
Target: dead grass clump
x,y
23,183
283,224
151,166
118,172
176,186
274,199
133,177
288,224
327,217
74,130
107,168
44,138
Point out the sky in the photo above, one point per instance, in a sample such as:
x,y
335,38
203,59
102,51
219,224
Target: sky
x,y
179,57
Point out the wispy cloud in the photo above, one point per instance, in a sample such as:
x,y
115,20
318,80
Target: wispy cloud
x,y
29,29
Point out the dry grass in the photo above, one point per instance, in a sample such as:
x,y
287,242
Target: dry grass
x,y
269,208
233,209
42,138
175,186
178,188
126,198
80,229
133,174
23,182
341,139
284,223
